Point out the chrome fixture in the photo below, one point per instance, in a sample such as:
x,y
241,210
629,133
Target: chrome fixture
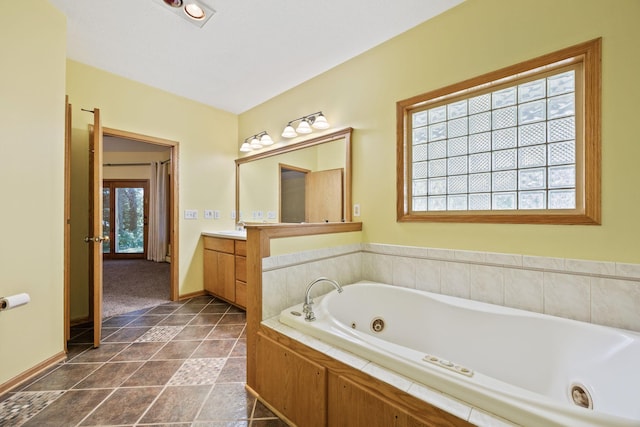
x,y
198,12
307,307
316,121
256,142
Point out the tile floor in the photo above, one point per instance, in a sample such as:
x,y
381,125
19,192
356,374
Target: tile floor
x,y
177,364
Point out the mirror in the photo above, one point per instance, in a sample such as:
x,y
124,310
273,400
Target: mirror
x,y
310,179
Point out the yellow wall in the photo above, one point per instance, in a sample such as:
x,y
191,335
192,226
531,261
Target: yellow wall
x,y
476,37
32,175
207,149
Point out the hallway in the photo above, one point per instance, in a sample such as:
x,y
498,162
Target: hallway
x,y
179,364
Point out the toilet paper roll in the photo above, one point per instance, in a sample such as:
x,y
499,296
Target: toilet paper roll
x,y
7,303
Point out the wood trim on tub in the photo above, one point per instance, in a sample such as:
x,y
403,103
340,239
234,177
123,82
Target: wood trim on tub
x,y
426,413
258,247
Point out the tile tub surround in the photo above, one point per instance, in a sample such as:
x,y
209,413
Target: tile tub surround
x,y
605,293
181,364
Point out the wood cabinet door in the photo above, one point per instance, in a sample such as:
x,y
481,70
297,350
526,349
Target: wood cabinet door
x,y
210,270
350,405
219,274
291,383
226,276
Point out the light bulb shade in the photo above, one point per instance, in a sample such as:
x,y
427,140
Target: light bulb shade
x,y
245,147
266,139
304,127
320,122
255,143
194,11
289,132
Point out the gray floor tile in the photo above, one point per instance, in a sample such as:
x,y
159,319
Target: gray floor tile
x,y
178,364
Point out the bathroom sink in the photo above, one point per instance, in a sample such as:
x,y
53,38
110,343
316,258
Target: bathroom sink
x,y
233,233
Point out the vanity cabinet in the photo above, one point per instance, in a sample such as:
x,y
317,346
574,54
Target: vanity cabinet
x,y
292,384
223,277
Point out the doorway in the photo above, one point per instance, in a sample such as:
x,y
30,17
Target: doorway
x,y
292,193
138,269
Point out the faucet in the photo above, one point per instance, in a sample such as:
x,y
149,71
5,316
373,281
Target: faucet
x,y
307,307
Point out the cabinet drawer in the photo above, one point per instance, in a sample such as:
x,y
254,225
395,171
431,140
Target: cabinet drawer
x,y
241,247
241,294
241,268
220,245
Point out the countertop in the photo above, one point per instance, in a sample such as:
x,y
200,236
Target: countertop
x,y
227,234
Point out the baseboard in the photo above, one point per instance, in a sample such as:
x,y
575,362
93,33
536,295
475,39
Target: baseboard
x,y
32,372
191,295
80,321
271,408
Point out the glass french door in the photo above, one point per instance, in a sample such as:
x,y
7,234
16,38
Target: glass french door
x,y
125,218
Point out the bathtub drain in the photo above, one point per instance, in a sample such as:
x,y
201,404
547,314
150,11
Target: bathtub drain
x,y
377,325
581,396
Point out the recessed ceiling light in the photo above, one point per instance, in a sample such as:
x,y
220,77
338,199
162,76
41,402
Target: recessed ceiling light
x,y
197,12
194,11
173,3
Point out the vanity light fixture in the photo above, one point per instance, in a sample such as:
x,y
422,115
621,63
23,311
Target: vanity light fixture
x,y
198,12
256,142
315,121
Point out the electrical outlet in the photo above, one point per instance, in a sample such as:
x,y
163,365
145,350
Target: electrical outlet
x,y
216,214
190,214
356,210
259,214
271,215
208,214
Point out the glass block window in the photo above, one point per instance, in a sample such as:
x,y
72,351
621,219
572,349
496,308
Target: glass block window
x,y
510,148
513,147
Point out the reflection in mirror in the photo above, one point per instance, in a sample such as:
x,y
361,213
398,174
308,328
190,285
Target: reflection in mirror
x,y
309,181
292,193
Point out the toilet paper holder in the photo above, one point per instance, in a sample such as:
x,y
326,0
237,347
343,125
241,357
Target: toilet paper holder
x,y
13,301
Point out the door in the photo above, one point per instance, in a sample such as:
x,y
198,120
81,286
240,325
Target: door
x,y
324,196
125,206
95,238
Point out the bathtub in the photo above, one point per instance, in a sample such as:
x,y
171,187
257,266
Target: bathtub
x,y
529,368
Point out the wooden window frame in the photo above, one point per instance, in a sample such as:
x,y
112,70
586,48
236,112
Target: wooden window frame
x,y
588,141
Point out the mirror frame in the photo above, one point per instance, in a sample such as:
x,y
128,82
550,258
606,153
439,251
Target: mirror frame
x,y
344,133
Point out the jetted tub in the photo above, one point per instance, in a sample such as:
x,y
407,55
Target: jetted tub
x,y
529,368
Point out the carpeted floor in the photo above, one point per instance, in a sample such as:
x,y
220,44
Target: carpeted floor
x,y
132,284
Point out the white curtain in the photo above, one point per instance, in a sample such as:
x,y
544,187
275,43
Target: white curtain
x,y
157,249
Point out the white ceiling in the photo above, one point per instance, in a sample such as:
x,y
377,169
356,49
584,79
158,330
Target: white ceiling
x,y
248,52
